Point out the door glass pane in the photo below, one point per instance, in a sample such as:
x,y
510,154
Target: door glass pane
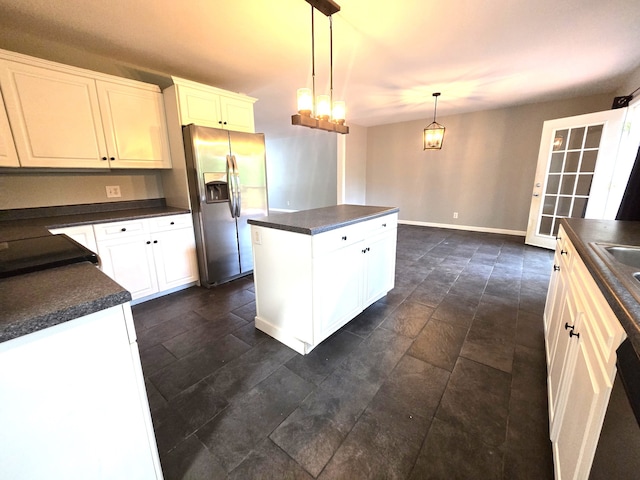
x,y
553,183
589,161
556,163
549,206
573,160
579,207
560,140
576,138
545,225
556,227
564,206
568,182
584,184
594,133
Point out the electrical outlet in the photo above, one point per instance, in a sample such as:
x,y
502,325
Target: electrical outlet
x,y
113,191
455,214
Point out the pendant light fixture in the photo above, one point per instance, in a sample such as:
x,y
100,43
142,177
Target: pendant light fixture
x,y
434,133
321,112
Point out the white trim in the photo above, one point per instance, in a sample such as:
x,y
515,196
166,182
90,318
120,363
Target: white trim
x,y
281,210
471,228
153,296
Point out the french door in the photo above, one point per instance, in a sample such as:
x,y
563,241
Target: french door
x,y
575,166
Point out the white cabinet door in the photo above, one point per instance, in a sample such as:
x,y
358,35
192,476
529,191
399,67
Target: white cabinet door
x,y
129,261
236,114
380,267
55,117
174,254
198,106
587,394
337,288
8,154
135,126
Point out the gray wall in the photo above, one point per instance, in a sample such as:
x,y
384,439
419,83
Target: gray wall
x,y
355,168
302,170
28,189
484,171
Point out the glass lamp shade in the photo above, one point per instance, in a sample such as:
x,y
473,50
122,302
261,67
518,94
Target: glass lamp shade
x,y
433,136
339,108
323,107
305,102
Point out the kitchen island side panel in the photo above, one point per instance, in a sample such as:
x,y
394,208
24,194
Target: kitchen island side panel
x,y
283,285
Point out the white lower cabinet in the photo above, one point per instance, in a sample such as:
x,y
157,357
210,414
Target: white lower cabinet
x,y
74,403
308,286
581,334
148,256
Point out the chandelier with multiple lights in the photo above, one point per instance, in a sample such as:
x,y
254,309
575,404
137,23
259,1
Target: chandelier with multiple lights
x,y
321,112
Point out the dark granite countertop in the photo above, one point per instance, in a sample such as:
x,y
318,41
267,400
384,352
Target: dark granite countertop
x,y
39,300
36,222
583,233
318,220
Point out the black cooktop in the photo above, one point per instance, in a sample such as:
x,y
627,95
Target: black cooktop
x,y
40,253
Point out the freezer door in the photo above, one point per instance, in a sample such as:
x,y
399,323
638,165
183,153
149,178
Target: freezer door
x,y
248,152
220,243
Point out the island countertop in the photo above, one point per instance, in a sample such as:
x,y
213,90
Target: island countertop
x,y
583,233
318,220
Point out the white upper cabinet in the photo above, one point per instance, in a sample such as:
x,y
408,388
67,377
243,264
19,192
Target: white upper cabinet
x,y
8,154
212,107
135,126
63,117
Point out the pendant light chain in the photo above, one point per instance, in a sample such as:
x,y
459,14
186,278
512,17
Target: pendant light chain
x,y
331,65
435,107
313,65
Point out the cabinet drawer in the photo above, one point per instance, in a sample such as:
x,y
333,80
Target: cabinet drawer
x,y
380,224
605,327
128,228
170,222
335,239
565,251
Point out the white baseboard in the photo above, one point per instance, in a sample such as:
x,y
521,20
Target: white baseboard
x,y
520,233
281,210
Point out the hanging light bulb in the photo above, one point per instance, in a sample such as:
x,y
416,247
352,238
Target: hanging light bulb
x,y
305,102
434,133
338,113
323,107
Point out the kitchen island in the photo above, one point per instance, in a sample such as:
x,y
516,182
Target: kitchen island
x,y
315,270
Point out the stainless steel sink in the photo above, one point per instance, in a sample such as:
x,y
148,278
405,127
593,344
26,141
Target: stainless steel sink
x,y
627,255
624,262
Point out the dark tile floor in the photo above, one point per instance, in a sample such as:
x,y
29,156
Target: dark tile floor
x,y
445,377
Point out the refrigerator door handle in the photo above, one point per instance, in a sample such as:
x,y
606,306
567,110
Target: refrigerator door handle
x,y
230,185
238,208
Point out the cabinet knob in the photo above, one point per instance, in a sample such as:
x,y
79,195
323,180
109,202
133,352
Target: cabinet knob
x,y
148,242
384,224
112,158
123,229
567,326
344,237
556,268
104,158
573,334
173,223
563,252
155,241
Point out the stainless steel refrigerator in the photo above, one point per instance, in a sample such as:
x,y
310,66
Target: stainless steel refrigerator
x,y
228,185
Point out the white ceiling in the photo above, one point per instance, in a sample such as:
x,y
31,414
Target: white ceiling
x,y
389,57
